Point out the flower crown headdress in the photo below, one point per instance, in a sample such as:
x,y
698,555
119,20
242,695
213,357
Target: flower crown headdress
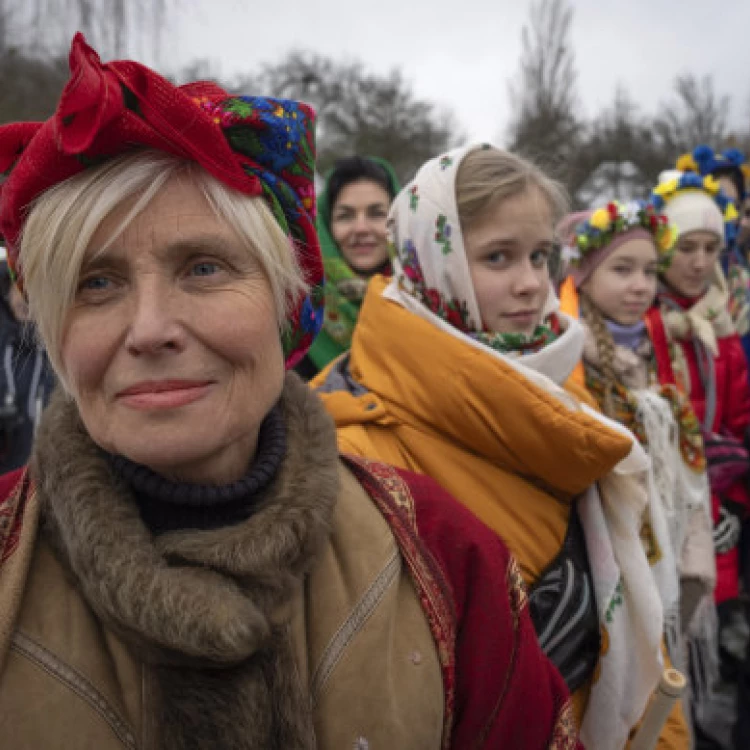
x,y
605,224
668,189
705,161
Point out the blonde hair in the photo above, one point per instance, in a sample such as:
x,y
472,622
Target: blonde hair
x,y
487,176
63,220
605,348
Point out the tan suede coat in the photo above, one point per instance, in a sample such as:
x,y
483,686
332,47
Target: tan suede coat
x,y
63,671
354,623
324,620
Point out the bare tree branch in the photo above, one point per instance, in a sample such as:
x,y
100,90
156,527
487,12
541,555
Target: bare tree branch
x,y
545,126
695,114
115,28
360,111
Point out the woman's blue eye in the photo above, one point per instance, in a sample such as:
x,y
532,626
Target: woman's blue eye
x,y
205,268
96,283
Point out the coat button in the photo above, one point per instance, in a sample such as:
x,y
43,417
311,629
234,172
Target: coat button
x,y
416,657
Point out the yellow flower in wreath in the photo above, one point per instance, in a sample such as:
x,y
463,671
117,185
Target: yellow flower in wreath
x,y
600,219
686,163
668,238
731,213
711,184
667,188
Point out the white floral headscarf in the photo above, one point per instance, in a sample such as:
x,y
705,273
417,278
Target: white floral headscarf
x,y
432,280
429,256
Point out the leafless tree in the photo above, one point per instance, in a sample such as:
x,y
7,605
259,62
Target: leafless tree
x,y
695,114
29,86
545,125
360,111
115,28
622,155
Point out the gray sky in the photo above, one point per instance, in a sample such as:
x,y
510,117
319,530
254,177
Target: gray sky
x,y
462,53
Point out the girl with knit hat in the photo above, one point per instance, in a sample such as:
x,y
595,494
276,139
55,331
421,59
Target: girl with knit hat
x,y
460,369
697,348
351,225
729,170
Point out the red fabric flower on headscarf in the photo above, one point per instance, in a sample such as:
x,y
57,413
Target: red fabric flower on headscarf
x,y
256,145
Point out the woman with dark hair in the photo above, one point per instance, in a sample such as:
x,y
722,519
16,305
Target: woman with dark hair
x,y
351,225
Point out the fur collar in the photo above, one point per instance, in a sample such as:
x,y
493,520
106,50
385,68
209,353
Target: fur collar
x,y
206,609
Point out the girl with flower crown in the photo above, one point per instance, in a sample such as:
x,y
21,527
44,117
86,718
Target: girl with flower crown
x,y
697,348
615,257
460,369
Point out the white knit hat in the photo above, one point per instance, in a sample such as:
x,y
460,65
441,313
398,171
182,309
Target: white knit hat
x,y
693,210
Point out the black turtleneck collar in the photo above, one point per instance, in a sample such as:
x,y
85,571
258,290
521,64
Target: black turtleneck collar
x,y
167,506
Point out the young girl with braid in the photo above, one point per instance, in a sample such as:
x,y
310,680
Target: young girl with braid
x,y
616,256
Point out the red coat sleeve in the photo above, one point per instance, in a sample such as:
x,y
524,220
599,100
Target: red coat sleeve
x,y
737,397
736,411
508,694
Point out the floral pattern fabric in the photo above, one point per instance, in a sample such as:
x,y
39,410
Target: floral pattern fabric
x,y
432,280
259,146
429,258
626,411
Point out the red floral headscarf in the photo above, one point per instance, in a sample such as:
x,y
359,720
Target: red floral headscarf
x,y
256,145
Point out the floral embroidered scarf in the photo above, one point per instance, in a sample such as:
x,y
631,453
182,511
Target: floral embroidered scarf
x,y
256,145
430,265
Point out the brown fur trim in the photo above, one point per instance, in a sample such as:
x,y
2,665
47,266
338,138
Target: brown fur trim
x,y
258,704
207,609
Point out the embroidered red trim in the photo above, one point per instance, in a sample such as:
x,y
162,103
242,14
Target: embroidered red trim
x,y
565,734
658,335
11,516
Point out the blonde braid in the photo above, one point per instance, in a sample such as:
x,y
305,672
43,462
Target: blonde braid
x,y
605,347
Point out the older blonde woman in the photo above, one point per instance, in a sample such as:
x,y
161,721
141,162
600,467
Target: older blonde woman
x,y
188,563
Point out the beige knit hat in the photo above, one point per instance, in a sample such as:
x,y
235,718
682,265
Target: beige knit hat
x,y
692,210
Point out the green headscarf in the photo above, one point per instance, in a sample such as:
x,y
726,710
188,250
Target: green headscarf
x,y
344,288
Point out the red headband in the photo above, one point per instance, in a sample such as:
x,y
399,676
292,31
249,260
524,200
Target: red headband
x,y
256,145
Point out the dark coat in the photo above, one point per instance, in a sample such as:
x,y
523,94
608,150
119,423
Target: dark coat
x,y
26,383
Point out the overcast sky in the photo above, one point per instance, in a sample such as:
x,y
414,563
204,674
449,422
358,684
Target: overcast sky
x,y
462,53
